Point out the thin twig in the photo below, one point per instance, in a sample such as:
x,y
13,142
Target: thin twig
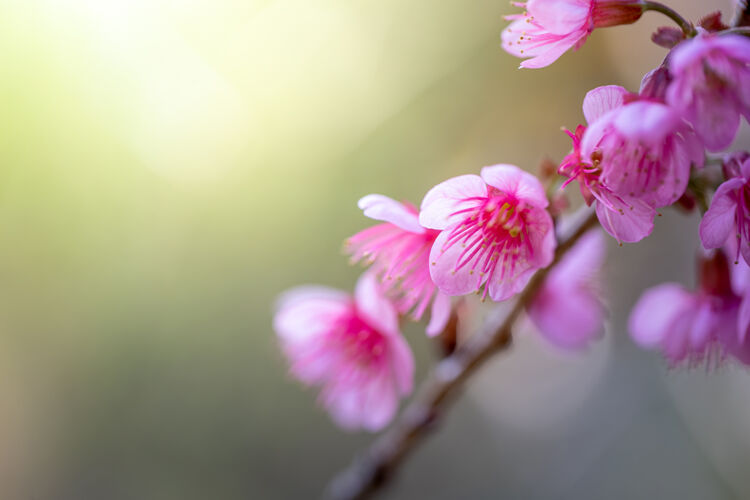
x,y
739,30
376,465
684,25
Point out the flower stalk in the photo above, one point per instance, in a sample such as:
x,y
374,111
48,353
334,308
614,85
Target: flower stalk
x,y
684,25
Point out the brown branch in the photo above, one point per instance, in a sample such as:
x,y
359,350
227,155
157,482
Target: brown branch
x,y
376,465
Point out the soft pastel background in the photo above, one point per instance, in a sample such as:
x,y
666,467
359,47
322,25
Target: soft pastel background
x,y
168,167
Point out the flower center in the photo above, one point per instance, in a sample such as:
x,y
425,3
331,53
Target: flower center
x,y
493,236
359,342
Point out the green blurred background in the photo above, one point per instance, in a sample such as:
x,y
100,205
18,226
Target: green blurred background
x,y
168,167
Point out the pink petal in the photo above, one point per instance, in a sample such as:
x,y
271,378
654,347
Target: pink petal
x,y
743,319
512,180
304,317
583,261
307,311
740,272
702,324
380,404
507,288
696,51
655,312
546,250
541,46
687,53
646,122
547,54
369,406
735,342
718,222
344,405
596,131
601,100
379,207
374,307
745,250
736,46
716,119
625,223
568,317
439,314
402,364
510,35
443,200
562,16
442,265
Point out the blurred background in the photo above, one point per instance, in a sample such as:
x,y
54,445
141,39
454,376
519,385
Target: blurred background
x,y
168,167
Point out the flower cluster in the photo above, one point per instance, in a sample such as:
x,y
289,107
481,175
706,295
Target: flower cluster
x,y
488,234
702,326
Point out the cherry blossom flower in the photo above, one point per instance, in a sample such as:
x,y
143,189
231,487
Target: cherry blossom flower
x,y
643,147
567,309
549,28
693,327
495,231
399,251
626,218
729,213
711,85
351,347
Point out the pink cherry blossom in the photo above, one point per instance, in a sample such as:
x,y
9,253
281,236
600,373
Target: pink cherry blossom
x,y
548,28
567,310
626,218
351,348
495,231
711,85
399,250
644,148
693,327
729,214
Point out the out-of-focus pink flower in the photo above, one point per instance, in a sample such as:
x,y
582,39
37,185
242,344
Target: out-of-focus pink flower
x,y
495,231
567,309
626,218
729,214
693,327
548,28
644,148
399,251
351,348
711,85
